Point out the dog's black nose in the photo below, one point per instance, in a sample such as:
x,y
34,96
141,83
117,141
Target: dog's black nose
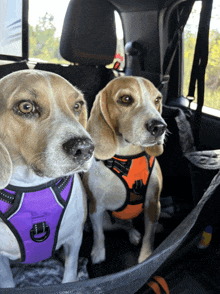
x,y
156,127
79,148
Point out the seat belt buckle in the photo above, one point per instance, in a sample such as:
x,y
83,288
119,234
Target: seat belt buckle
x,y
190,99
165,79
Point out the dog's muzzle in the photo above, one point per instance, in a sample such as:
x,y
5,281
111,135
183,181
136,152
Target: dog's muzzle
x,y
79,149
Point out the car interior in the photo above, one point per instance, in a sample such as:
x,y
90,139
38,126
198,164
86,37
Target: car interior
x,y
153,47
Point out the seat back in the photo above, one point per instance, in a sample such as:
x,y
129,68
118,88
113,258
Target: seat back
x,y
89,35
89,79
88,41
8,68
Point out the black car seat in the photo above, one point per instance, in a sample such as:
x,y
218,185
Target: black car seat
x,y
8,68
88,41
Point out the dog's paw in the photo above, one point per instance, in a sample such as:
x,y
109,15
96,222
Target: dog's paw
x,y
98,255
134,237
144,255
5,283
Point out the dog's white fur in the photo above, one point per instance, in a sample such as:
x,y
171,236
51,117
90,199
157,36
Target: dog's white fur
x,y
31,154
121,129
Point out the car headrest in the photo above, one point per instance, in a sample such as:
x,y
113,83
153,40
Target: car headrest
x,y
89,34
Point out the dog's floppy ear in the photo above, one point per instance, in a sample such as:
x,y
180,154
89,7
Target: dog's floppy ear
x,y
101,129
83,116
154,150
5,166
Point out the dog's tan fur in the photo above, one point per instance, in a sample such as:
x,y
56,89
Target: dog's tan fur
x,y
120,129
109,117
26,141
32,153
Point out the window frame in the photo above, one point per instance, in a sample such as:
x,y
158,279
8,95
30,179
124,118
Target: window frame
x,y
193,104
25,42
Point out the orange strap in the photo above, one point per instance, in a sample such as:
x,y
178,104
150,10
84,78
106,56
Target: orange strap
x,y
138,170
130,211
155,287
159,284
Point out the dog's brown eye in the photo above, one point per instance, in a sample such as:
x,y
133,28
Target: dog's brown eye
x,y
157,100
26,107
126,99
78,106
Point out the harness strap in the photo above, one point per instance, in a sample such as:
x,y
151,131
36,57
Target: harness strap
x,y
9,197
173,44
136,187
121,166
61,185
34,215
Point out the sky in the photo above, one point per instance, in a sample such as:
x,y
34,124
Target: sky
x,y
38,8
193,20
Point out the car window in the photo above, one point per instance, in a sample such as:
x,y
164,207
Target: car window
x,y
212,78
45,28
11,28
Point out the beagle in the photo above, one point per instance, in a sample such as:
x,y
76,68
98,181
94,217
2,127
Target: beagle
x,y
43,145
125,179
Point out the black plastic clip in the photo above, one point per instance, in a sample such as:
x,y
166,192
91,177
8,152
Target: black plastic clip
x,y
40,228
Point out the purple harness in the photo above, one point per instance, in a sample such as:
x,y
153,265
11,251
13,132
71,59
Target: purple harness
x,y
34,216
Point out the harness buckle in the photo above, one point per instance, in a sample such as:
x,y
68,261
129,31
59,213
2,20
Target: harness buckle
x,y
40,228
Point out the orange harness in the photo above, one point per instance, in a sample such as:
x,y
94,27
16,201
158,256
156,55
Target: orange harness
x,y
134,172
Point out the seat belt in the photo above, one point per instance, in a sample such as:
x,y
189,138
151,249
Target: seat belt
x,y
133,50
174,43
199,66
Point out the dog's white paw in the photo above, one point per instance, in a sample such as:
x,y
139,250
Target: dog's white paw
x,y
98,254
144,255
7,283
134,237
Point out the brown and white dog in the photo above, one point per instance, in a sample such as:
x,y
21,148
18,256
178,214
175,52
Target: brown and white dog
x,y
125,123
42,139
